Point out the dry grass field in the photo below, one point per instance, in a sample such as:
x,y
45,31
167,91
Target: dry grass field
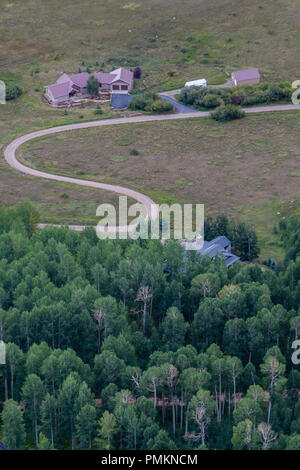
x,y
247,169
229,168
172,40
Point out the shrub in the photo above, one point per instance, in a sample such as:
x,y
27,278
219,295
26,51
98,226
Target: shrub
x,y
210,100
134,152
98,111
251,100
13,91
189,96
271,263
223,94
227,112
137,73
209,97
139,103
257,98
274,93
266,93
64,195
150,103
282,224
246,95
237,99
172,73
161,106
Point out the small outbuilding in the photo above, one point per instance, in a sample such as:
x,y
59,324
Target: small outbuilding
x,y
246,77
199,83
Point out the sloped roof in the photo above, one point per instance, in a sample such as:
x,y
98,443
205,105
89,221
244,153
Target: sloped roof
x,y
210,249
80,79
216,247
124,75
63,78
222,241
249,74
230,258
60,89
106,78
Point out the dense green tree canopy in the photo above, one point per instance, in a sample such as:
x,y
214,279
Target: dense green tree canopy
x,y
128,345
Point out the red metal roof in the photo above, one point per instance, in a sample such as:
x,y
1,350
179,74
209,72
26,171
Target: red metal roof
x,y
105,78
65,82
60,89
80,79
124,75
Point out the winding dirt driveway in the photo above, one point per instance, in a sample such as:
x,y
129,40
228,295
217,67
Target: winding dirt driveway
x,y
151,208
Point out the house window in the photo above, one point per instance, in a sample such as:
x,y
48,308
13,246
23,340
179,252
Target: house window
x,y
124,87
116,87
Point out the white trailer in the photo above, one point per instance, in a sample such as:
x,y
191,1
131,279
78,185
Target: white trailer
x,y
202,83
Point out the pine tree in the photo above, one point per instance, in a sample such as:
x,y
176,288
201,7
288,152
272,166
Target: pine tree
x,y
44,443
107,430
86,423
13,429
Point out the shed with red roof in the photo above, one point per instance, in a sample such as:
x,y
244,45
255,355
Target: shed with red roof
x,y
246,77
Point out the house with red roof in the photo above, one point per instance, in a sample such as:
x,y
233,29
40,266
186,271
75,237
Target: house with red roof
x,y
59,92
119,81
246,77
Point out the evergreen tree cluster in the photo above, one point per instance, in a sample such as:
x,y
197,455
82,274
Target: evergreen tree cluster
x,y
129,345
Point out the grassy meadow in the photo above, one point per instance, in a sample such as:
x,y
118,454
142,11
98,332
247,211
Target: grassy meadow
x,y
230,168
172,41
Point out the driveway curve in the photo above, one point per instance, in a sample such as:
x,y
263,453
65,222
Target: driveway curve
x,y
151,208
180,108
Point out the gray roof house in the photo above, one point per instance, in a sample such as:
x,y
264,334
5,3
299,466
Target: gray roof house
x,y
219,246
